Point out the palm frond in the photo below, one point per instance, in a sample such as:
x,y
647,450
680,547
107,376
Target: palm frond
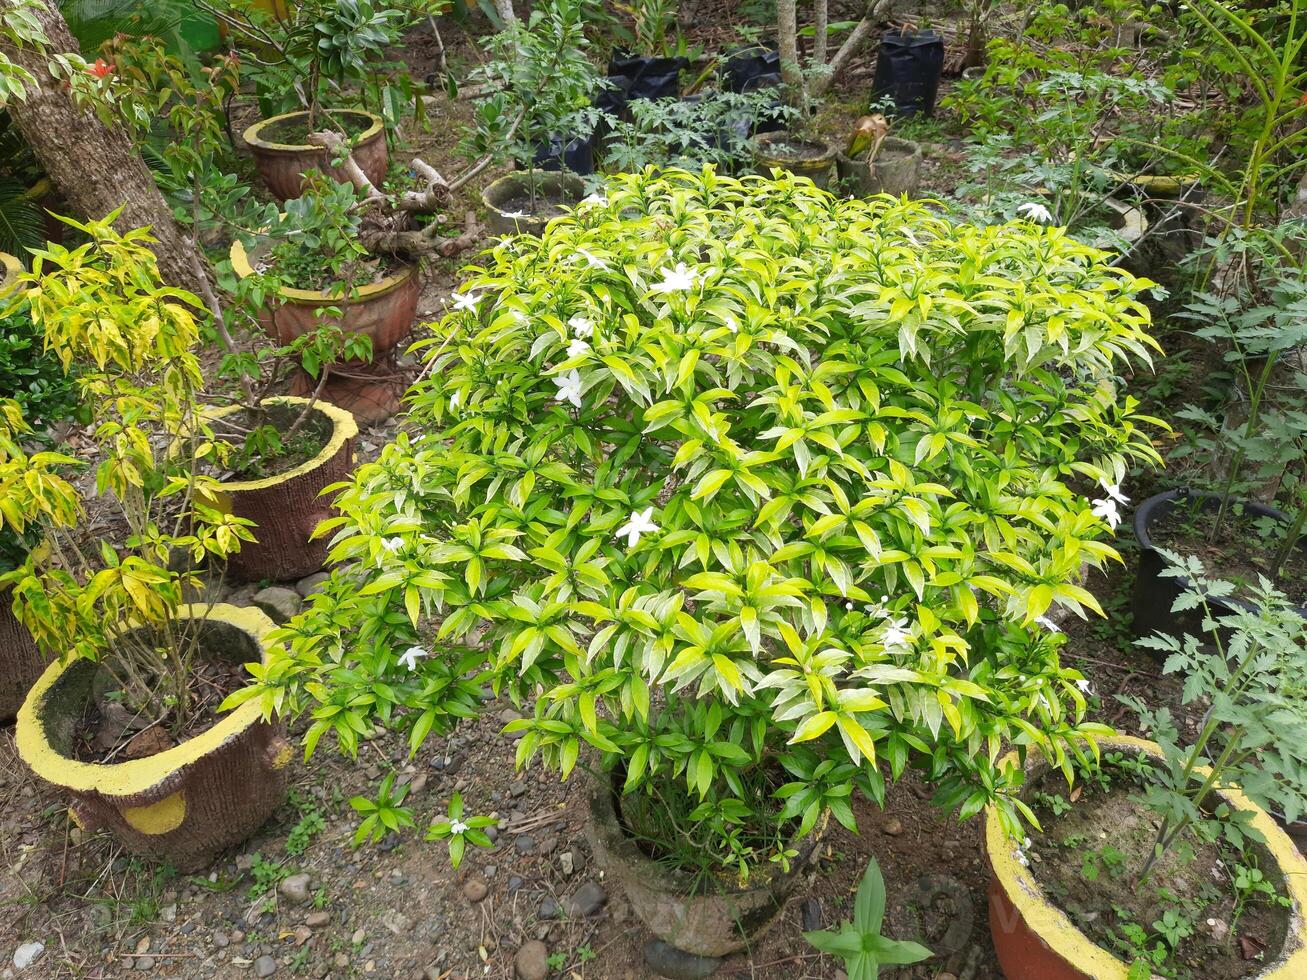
x,y
21,223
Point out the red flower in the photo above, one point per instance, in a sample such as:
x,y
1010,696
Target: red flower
x,y
100,69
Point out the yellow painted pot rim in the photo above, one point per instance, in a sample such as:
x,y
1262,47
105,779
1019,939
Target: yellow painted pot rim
x,y
1056,929
762,141
136,776
251,135
1161,183
343,428
240,263
10,270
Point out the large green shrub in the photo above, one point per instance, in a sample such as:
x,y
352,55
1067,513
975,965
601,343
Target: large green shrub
x,y
748,489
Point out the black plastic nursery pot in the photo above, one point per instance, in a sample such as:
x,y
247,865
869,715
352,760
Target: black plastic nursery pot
x,y
648,78
1155,593
908,70
576,155
753,67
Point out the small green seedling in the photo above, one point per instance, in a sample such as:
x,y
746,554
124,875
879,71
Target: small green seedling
x,y
459,831
859,943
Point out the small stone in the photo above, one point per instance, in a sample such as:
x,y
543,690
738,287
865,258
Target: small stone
x,y
567,862
296,889
1218,929
514,884
525,844
144,963
493,833
490,870
675,964
311,583
548,909
585,901
316,920
341,961
811,915
265,966
244,862
221,939
418,785
280,603
548,845
397,922
358,937
517,789
475,889
532,961
302,935
893,826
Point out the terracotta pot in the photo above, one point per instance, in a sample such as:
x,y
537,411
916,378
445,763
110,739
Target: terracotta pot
x,y
552,189
371,393
384,310
10,270
286,508
769,155
1036,940
21,662
282,165
184,805
710,925
896,169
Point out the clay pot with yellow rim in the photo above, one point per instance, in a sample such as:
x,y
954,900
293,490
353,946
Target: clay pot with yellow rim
x,y
184,805
1036,940
286,508
282,165
383,310
781,150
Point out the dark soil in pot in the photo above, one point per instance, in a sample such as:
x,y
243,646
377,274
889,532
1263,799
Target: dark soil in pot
x,y
295,130
544,206
798,150
1088,860
295,450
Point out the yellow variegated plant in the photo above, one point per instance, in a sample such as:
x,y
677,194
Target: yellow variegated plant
x,y
103,305
748,490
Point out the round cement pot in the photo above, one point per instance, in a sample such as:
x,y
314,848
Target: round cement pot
x,y
896,169
10,270
286,508
1167,186
1036,940
188,803
282,165
770,153
507,215
712,924
383,310
21,662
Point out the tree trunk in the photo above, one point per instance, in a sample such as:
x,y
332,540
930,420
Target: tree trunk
x,y
505,10
877,10
787,35
95,167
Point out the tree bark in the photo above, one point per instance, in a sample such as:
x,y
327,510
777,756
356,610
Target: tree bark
x,y
876,11
96,167
787,36
505,10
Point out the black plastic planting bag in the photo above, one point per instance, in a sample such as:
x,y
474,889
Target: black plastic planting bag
x,y
908,69
650,78
577,156
754,67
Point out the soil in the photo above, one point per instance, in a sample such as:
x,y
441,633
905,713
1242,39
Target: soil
x,y
1109,894
112,730
314,433
794,149
1240,553
295,131
546,208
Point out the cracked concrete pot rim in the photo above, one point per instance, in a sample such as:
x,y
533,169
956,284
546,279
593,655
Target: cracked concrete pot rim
x,y
1054,927
241,265
344,427
135,777
376,126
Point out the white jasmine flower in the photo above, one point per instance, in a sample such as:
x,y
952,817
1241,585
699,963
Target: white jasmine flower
x,y
732,324
577,347
410,657
457,827
515,215
1114,492
595,198
465,301
1022,859
1083,684
591,260
1036,211
1048,624
453,401
1107,510
676,280
641,522
569,387
581,326
897,634
848,606
392,544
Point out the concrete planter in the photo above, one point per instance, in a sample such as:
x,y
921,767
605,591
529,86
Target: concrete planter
x,y
770,152
896,169
286,508
184,805
553,189
1036,940
282,165
707,925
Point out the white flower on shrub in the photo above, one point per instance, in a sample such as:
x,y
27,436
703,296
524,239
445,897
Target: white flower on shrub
x,y
897,634
410,657
569,387
577,347
465,301
581,326
392,544
453,401
1048,624
1036,211
641,522
1106,509
596,199
515,215
677,280
1083,684
457,827
1113,491
593,261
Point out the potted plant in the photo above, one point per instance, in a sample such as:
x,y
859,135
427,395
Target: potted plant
x,y
739,526
1165,861
798,151
125,720
310,57
876,163
653,55
543,85
1252,445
